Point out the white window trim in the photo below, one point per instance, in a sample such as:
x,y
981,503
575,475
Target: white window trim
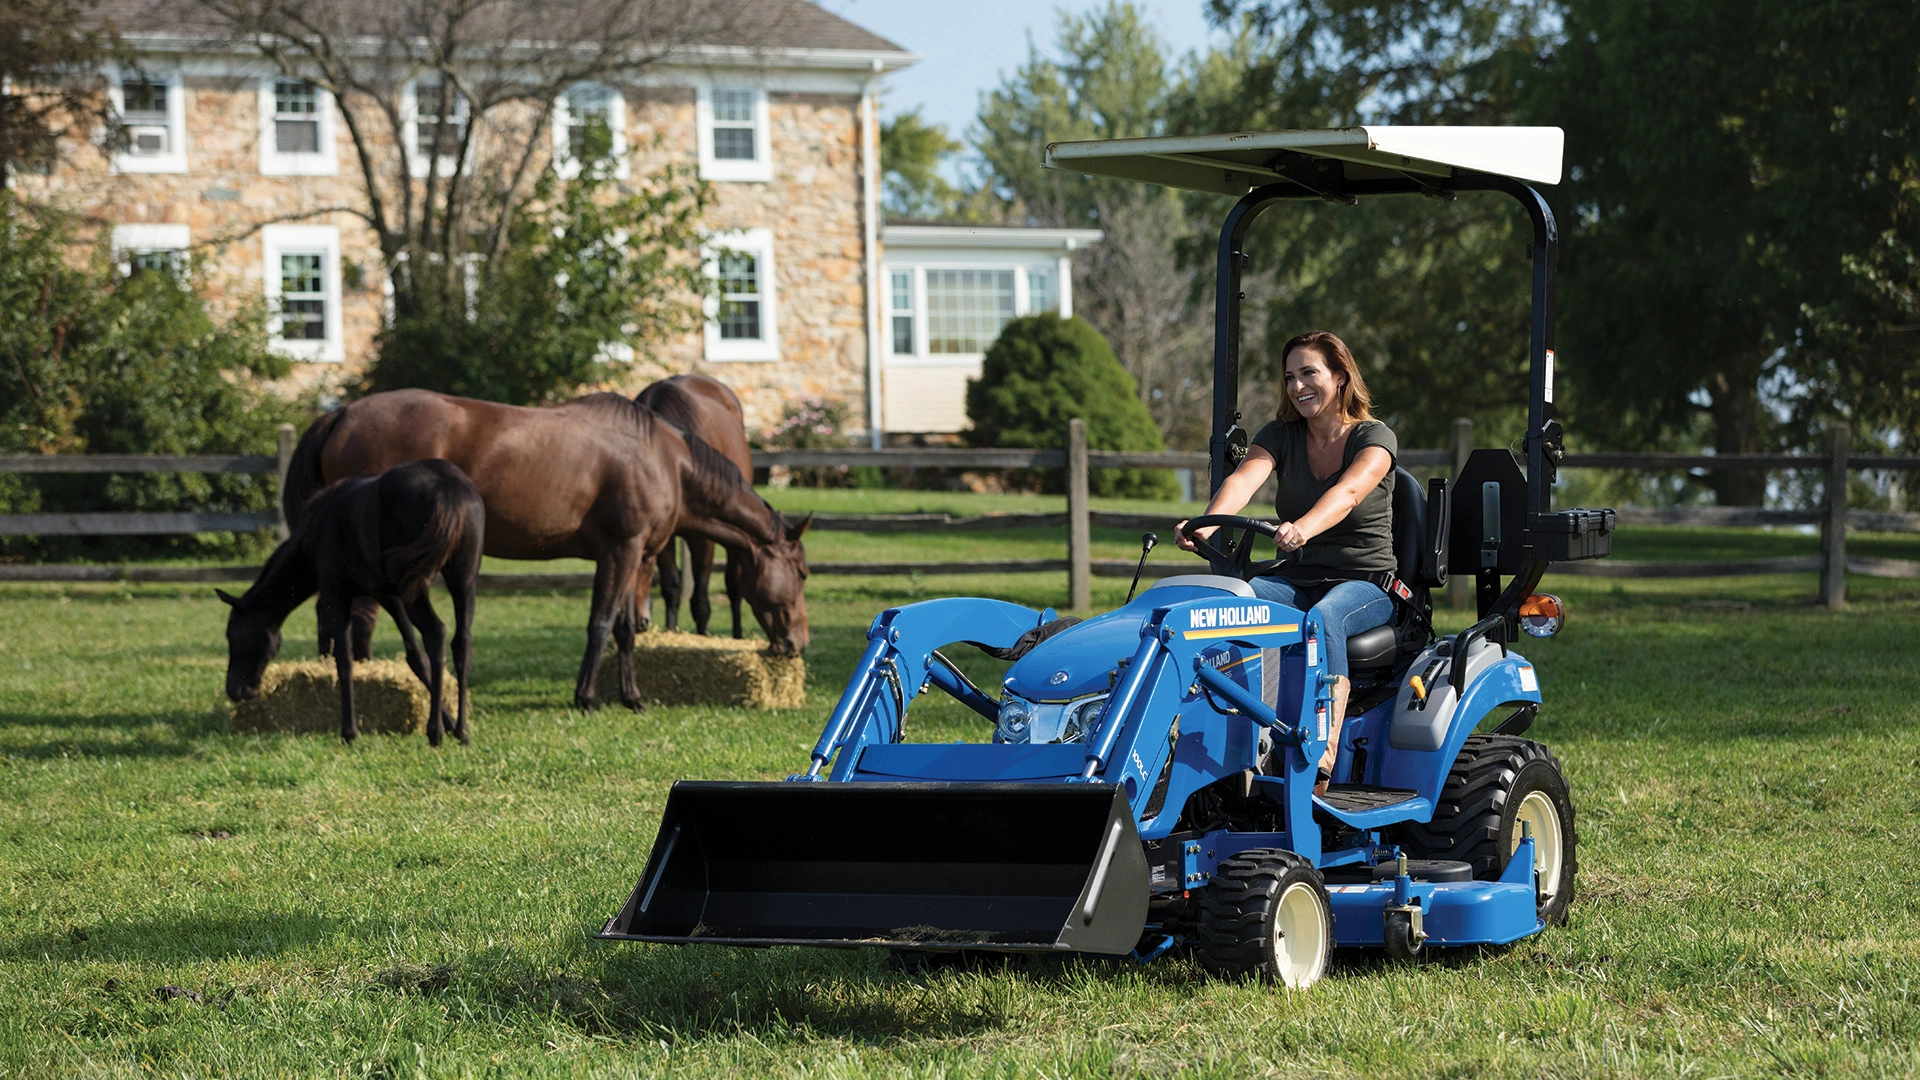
x,y
275,163
276,240
131,240
410,128
1022,303
616,121
174,161
758,243
759,170
916,285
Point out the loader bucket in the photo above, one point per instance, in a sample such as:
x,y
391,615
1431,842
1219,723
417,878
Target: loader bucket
x,y
996,866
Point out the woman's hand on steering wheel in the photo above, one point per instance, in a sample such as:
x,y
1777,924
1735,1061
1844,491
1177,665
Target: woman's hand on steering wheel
x,y
1185,542
1288,537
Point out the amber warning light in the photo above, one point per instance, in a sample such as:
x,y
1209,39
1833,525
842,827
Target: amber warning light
x,y
1542,615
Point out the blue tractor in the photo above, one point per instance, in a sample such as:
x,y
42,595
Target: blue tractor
x,y
1149,782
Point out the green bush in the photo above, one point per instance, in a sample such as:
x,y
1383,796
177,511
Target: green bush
x,y
94,362
815,423
1044,371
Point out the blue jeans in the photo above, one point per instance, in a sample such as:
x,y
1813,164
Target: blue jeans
x,y
1347,609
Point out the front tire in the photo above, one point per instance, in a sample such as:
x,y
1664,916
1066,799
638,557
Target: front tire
x,y
1266,915
1497,783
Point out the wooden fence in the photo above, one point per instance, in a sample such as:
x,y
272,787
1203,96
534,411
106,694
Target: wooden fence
x,y
1079,519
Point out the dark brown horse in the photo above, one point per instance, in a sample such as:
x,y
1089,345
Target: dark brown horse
x,y
598,478
380,539
712,412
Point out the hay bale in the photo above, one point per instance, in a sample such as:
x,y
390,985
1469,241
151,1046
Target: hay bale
x,y
688,669
304,696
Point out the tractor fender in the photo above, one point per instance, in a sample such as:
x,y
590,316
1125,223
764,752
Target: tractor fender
x,y
1421,753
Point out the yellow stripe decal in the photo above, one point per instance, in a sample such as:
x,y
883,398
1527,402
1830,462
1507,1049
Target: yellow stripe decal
x,y
1242,631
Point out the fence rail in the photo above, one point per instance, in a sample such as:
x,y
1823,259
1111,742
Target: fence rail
x,y
1834,517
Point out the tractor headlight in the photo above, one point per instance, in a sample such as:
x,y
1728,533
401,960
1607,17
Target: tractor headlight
x,y
1016,720
1082,717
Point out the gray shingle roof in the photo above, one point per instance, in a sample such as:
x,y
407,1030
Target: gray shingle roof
x,y
759,24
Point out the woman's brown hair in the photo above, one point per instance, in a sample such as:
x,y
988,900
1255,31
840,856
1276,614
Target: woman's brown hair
x,y
1355,404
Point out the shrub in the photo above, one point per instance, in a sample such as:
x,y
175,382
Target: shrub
x,y
816,423
1044,371
92,361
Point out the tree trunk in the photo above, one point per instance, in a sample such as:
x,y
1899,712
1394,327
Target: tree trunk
x,y
1737,429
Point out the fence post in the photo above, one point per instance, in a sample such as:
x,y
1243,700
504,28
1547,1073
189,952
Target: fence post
x,y
1079,521
280,530
1458,591
1833,539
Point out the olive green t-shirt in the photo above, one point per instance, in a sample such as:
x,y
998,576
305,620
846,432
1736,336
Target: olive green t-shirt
x,y
1363,542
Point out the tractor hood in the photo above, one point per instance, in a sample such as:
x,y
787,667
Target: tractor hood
x,y
1081,660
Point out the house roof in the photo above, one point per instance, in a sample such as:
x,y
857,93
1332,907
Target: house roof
x,y
900,233
698,26
1235,163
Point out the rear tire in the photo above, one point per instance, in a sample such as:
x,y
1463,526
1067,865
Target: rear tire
x,y
1497,782
1266,915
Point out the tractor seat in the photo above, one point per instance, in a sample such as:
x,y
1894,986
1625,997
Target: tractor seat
x,y
1373,650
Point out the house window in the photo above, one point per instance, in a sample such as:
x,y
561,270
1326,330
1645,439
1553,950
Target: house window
x,y
966,309
1040,292
902,309
303,289
741,317
139,248
303,297
437,127
296,129
296,117
152,112
733,134
577,112
739,297
733,125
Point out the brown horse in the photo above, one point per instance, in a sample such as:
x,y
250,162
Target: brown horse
x,y
380,539
712,412
598,478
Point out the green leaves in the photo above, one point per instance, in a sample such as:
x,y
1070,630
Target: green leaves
x,y
95,362
589,266
1044,371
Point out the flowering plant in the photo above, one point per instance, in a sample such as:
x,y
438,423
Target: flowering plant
x,y
814,423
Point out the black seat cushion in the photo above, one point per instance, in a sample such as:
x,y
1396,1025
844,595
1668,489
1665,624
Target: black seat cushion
x,y
1370,649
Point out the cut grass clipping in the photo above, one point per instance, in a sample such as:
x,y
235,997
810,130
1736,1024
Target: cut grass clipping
x,y
303,696
688,669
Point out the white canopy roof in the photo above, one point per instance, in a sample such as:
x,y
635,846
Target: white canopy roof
x,y
1236,163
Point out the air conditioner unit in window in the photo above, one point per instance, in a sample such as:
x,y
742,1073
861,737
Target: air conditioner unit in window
x,y
147,140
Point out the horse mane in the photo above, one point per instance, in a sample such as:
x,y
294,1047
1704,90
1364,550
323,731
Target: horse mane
x,y
715,477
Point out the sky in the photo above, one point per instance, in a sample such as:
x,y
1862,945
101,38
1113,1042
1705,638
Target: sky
x,y
966,46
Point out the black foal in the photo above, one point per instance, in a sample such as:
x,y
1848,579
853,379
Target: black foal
x,y
381,537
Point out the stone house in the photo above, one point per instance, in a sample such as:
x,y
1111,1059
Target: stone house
x,y
247,168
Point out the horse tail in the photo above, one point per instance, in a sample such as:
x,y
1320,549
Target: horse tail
x,y
457,509
303,469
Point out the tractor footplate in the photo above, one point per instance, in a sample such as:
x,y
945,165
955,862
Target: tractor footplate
x,y
1358,798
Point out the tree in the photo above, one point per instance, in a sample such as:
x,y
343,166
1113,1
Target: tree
x,y
1742,216
1107,77
911,153
476,83
1432,296
1043,371
93,361
584,269
51,56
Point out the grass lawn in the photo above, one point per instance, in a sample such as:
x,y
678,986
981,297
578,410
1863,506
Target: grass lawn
x,y
1740,762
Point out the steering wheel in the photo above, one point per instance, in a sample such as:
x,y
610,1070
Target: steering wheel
x,y
1235,558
